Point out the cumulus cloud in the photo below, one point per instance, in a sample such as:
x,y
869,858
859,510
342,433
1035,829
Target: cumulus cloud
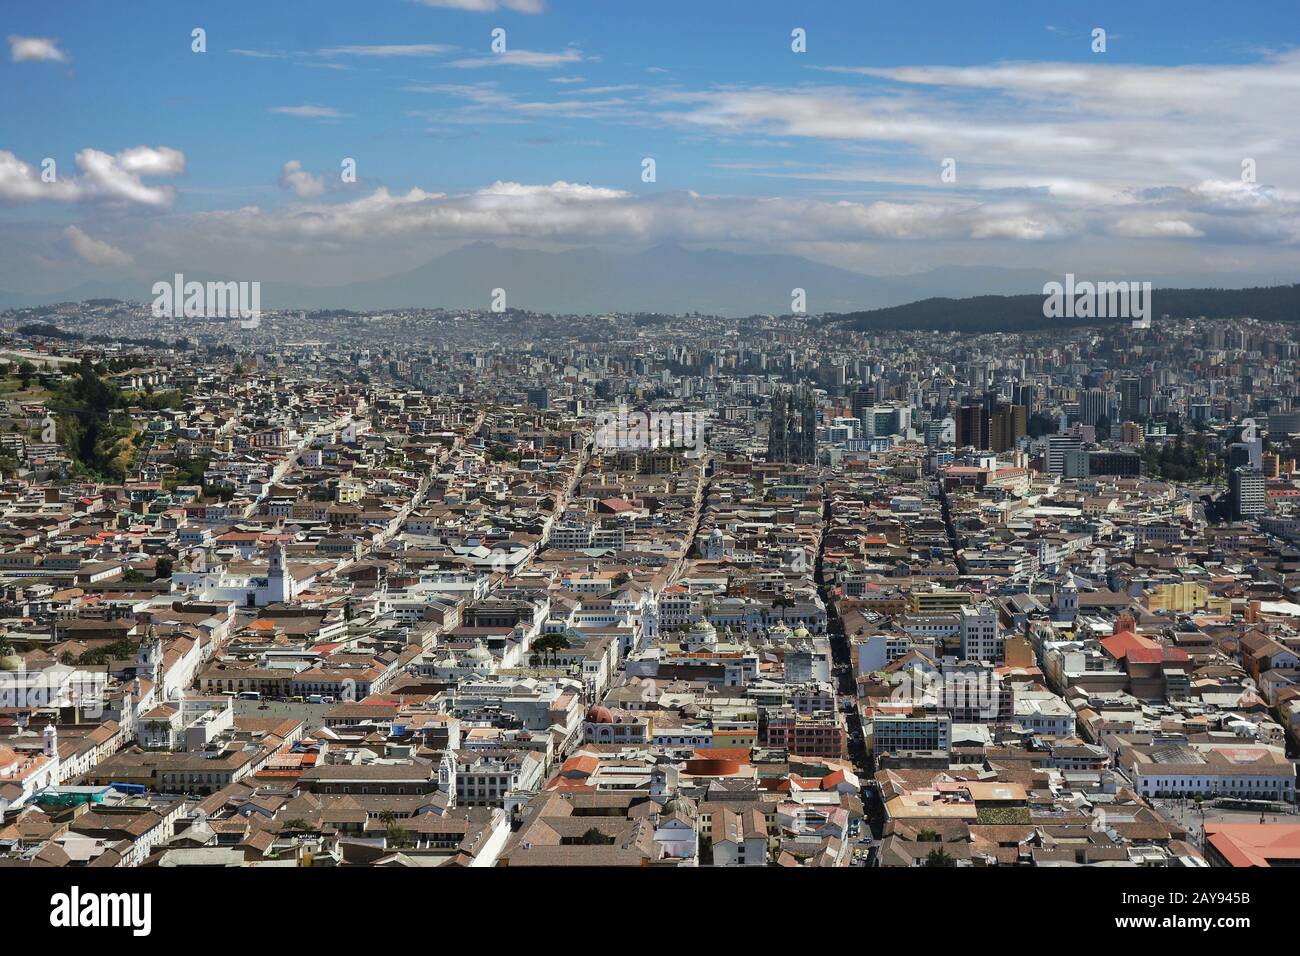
x,y
95,251
302,183
578,212
102,177
148,161
35,50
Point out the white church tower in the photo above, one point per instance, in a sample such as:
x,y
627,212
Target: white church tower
x,y
447,776
148,657
279,582
1067,601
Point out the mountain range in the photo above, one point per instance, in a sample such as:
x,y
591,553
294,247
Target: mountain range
x,y
1024,313
666,278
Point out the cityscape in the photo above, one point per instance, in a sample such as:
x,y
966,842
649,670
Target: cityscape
x,y
655,518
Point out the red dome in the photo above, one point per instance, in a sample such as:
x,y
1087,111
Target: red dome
x,y
600,715
712,767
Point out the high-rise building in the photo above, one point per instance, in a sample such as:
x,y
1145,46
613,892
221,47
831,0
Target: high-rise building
x,y
1246,492
1093,405
1057,446
972,426
1006,425
1130,399
878,420
861,399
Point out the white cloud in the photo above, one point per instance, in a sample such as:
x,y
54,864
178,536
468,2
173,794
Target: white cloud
x,y
310,111
488,6
103,178
20,182
1147,227
35,50
147,161
95,251
579,212
1101,148
302,183
529,58
407,49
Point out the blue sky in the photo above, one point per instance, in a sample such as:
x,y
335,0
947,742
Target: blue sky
x,y
1065,158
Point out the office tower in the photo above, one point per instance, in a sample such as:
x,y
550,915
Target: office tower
x,y
1130,399
1246,492
1092,405
862,399
1057,446
1006,424
1246,454
972,426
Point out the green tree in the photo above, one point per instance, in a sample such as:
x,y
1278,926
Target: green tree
x,y
398,837
550,645
594,837
939,858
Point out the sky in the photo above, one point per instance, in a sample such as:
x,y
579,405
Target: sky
x,y
902,137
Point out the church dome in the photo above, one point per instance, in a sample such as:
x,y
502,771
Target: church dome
x,y
598,714
702,632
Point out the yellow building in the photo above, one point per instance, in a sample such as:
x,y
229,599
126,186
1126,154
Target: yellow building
x,y
939,601
734,737
350,492
1185,597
